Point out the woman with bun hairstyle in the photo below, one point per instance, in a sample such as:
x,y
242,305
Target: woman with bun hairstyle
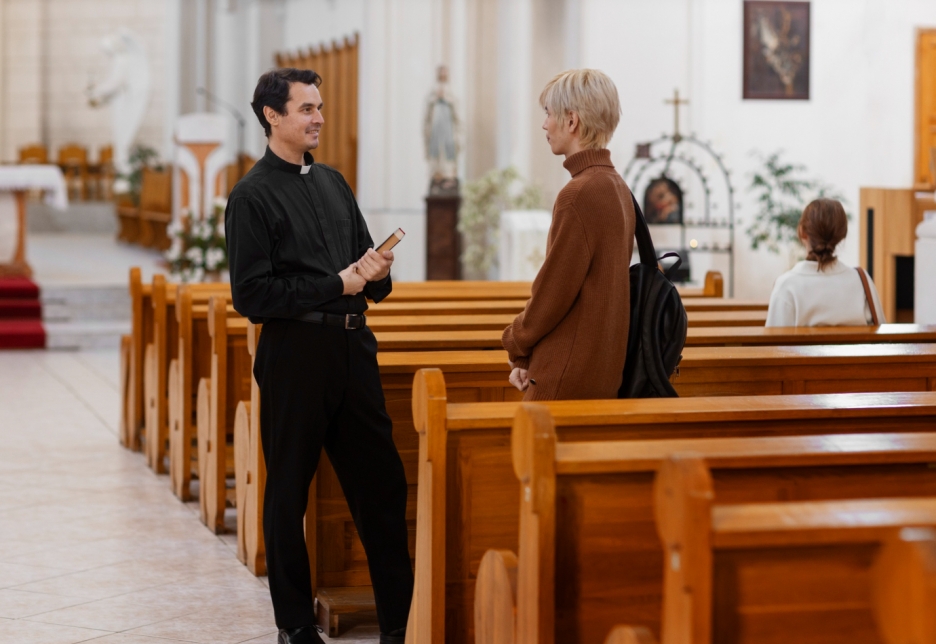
x,y
822,290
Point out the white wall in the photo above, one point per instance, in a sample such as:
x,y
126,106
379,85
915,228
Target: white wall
x,y
856,130
52,51
396,74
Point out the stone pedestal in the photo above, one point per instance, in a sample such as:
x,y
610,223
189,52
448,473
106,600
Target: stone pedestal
x,y
443,241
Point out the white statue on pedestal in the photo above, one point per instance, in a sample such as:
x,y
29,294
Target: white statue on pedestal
x,y
126,91
440,130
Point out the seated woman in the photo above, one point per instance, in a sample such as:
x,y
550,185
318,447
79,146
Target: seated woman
x,y
822,290
570,341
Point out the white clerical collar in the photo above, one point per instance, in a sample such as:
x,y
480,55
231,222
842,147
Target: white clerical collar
x,y
305,169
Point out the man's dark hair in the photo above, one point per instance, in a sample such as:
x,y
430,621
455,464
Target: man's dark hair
x,y
273,90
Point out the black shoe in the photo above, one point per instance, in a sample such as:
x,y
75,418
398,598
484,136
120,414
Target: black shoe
x,y
301,635
396,637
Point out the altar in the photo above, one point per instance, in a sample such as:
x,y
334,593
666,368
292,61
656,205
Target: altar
x,y
16,182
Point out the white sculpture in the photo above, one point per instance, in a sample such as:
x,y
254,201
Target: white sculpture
x,y
441,135
126,91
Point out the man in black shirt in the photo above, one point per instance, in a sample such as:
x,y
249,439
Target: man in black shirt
x,y
302,263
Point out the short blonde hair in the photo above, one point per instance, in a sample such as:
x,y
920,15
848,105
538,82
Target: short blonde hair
x,y
592,95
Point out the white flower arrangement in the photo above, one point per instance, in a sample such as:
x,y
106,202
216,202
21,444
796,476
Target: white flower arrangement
x,y
198,247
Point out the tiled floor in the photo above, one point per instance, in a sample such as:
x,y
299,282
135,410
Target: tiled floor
x,y
93,545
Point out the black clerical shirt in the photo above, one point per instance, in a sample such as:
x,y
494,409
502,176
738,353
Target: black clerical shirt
x,y
290,230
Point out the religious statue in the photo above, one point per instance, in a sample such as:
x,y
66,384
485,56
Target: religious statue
x,y
441,132
126,91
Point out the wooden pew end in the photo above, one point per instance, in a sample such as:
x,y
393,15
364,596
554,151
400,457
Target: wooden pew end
x,y
203,432
241,472
332,603
630,635
905,587
683,494
495,607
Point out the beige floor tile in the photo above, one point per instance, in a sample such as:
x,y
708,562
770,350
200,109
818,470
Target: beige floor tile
x,y
127,638
25,632
211,628
15,604
18,574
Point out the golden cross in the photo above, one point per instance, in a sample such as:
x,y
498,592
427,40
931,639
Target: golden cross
x,y
676,102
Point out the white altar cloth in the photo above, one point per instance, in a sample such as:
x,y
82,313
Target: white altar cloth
x,y
522,250
13,178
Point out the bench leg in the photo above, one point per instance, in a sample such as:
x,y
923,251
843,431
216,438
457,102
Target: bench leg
x,y
241,472
203,423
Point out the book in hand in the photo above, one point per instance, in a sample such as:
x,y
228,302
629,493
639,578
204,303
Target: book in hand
x,y
391,241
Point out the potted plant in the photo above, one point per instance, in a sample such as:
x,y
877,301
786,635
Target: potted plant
x,y
782,192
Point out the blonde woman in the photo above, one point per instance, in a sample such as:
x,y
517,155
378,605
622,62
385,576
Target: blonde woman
x,y
571,339
822,290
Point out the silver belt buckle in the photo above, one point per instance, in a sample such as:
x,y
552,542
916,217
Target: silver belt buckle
x,y
347,321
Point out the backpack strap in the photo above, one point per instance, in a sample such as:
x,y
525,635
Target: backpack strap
x,y
642,233
868,297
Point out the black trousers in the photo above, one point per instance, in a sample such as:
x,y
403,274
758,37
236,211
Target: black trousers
x,y
320,387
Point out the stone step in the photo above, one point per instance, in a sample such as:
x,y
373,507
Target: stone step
x,y
85,335
85,303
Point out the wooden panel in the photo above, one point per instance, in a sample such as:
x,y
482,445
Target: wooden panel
x,y
925,130
337,64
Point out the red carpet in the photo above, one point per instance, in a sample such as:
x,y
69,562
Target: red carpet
x,y
20,314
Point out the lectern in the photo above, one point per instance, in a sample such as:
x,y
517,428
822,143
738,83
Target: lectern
x,y
15,184
888,221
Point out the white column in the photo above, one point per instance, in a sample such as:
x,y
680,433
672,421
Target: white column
x,y
515,98
173,76
924,279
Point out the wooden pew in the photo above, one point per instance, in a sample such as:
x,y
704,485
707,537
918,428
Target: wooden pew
x,y
773,572
336,556
589,556
185,371
473,290
736,371
218,398
467,501
753,335
698,336
141,334
494,307
250,471
158,356
502,320
905,588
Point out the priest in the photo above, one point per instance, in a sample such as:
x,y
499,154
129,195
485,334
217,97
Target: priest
x,y
302,263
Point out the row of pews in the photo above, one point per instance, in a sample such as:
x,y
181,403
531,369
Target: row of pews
x,y
790,491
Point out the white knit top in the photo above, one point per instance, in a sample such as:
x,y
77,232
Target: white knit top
x,y
804,296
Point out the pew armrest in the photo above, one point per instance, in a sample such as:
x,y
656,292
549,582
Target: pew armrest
x,y
495,608
630,635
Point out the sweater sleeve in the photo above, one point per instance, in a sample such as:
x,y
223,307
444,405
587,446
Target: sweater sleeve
x,y
782,309
255,290
555,289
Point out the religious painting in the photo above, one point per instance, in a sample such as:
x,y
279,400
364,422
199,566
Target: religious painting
x,y
776,50
663,202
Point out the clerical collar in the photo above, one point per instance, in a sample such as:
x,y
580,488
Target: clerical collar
x,y
281,164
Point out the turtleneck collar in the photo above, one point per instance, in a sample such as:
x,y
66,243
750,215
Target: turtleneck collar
x,y
285,166
587,158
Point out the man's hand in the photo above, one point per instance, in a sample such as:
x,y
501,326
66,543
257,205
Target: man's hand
x,y
353,281
520,378
374,266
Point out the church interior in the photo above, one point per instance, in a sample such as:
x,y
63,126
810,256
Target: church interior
x,y
787,490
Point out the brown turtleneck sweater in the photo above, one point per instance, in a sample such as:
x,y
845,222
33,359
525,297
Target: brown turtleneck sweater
x,y
572,335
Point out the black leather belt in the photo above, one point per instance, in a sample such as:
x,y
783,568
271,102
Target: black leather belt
x,y
352,321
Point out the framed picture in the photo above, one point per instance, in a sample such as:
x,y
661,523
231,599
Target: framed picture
x,y
776,50
663,202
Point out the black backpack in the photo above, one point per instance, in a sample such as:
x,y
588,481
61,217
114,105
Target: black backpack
x,y
658,323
